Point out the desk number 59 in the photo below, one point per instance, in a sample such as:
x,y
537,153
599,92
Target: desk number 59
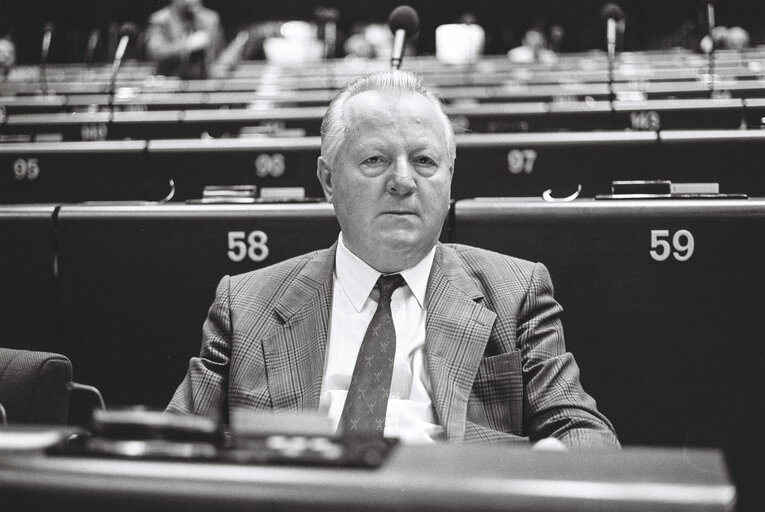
x,y
252,246
681,247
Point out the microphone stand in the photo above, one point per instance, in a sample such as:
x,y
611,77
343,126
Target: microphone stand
x,y
399,40
118,55
612,14
47,35
90,51
711,63
611,42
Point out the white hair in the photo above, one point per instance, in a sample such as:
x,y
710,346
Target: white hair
x,y
333,127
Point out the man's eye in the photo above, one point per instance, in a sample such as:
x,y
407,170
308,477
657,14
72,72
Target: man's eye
x,y
424,160
373,160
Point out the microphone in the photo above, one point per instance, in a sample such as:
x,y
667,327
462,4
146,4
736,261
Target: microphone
x,y
613,14
47,36
127,31
328,17
404,23
711,18
711,57
45,51
93,39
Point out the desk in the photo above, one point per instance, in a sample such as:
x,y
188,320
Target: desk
x,y
507,164
48,172
262,161
476,117
663,310
136,283
28,299
432,478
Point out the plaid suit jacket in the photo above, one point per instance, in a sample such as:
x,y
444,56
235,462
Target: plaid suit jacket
x,y
494,348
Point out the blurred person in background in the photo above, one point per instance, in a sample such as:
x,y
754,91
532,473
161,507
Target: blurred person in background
x,y
7,57
184,39
534,48
733,38
371,41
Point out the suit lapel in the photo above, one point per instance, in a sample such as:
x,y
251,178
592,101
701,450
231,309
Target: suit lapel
x,y
294,351
457,331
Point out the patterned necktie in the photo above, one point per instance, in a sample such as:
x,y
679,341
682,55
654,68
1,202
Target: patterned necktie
x,y
367,400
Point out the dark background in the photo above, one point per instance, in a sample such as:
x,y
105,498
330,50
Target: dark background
x,y
651,24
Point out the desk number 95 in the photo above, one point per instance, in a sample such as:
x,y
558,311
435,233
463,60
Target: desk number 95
x,y
679,245
242,245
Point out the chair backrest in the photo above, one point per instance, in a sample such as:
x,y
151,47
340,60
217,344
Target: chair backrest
x,y
34,386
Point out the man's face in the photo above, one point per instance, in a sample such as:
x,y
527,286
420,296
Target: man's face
x,y
391,182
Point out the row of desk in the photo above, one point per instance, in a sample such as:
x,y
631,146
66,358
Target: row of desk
x,y
131,99
192,123
662,304
509,164
589,67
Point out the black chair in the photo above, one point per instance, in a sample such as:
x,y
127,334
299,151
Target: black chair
x,y
35,387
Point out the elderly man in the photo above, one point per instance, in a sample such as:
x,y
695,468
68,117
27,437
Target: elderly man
x,y
390,331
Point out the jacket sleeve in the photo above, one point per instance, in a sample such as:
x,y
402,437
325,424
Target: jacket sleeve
x,y
203,390
555,405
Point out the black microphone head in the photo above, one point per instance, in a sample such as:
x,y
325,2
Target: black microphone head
x,y
326,13
611,11
129,29
404,18
468,19
49,27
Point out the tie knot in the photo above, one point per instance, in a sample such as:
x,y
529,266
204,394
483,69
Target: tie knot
x,y
388,285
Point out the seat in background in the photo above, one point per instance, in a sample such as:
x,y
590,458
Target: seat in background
x,y
34,386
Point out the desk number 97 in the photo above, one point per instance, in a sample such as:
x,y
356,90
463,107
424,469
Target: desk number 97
x,y
242,245
680,246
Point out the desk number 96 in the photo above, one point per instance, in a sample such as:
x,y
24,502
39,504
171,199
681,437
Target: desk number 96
x,y
680,245
242,245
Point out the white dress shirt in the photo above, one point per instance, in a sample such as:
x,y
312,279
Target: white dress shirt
x,y
410,415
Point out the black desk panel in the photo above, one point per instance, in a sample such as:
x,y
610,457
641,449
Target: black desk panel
x,y
196,123
755,112
162,124
261,161
27,277
136,283
433,478
471,117
529,116
679,114
528,164
48,172
732,158
663,310
63,126
28,104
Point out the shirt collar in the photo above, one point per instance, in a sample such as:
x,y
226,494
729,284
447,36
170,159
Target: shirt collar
x,y
358,279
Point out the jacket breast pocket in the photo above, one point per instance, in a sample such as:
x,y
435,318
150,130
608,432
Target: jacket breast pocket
x,y
496,399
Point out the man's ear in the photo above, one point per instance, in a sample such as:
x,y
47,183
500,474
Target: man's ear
x,y
324,173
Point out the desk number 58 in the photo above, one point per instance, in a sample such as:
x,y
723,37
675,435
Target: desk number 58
x,y
253,246
681,247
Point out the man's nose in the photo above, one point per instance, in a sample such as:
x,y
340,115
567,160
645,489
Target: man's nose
x,y
401,179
